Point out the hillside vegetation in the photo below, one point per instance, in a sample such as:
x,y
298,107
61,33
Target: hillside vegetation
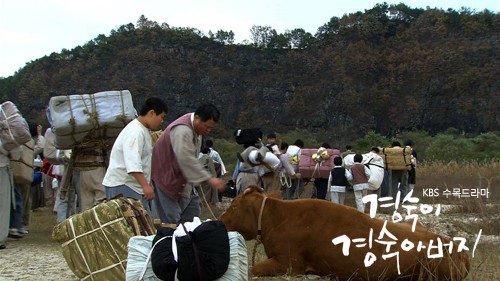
x,y
386,70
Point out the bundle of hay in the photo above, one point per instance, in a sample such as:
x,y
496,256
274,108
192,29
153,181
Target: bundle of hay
x,y
94,242
396,158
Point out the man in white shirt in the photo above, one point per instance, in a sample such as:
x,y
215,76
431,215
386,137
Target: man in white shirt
x,y
129,170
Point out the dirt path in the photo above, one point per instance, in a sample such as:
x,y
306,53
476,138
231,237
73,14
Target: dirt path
x,y
36,256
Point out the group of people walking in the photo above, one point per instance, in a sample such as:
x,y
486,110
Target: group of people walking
x,y
18,198
349,171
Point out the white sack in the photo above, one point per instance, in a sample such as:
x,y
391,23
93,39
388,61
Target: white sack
x,y
100,115
14,130
376,165
139,248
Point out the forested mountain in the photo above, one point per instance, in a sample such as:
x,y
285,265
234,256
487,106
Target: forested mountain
x,y
387,69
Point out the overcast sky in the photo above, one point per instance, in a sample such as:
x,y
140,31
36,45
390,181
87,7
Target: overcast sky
x,y
31,29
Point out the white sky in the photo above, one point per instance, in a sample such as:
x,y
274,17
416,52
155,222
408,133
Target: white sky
x,y
31,29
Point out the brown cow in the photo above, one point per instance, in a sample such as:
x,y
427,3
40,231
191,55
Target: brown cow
x,y
299,235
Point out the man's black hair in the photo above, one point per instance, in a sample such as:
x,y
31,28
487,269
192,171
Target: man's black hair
x,y
358,158
337,161
156,104
207,112
209,143
299,143
284,145
326,145
396,143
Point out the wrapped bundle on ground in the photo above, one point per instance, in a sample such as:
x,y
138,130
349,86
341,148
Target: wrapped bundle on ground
x,y
101,115
94,242
317,163
14,130
200,251
22,169
238,259
139,247
396,158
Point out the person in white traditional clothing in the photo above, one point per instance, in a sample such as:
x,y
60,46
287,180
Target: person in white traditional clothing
x,y
208,194
220,168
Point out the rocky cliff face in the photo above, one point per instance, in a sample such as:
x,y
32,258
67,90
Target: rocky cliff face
x,y
336,87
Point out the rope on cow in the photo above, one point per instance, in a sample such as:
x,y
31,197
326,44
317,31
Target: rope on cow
x,y
259,229
205,199
255,250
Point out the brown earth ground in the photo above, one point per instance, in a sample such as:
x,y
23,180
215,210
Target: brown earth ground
x,y
38,257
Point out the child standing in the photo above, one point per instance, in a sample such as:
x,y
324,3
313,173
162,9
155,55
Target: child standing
x,y
359,175
337,182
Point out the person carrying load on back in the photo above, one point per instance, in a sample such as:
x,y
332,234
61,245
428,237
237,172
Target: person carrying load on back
x,y
256,164
272,145
245,173
297,184
287,171
412,174
399,179
359,175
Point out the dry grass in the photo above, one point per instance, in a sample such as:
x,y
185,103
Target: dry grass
x,y
455,175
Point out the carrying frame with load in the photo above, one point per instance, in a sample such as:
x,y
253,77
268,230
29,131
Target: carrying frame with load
x,y
91,148
396,158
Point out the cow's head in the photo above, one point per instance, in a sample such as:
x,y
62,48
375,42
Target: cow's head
x,y
243,213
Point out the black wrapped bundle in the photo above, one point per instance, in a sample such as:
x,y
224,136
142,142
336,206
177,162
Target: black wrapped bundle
x,y
248,136
208,243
